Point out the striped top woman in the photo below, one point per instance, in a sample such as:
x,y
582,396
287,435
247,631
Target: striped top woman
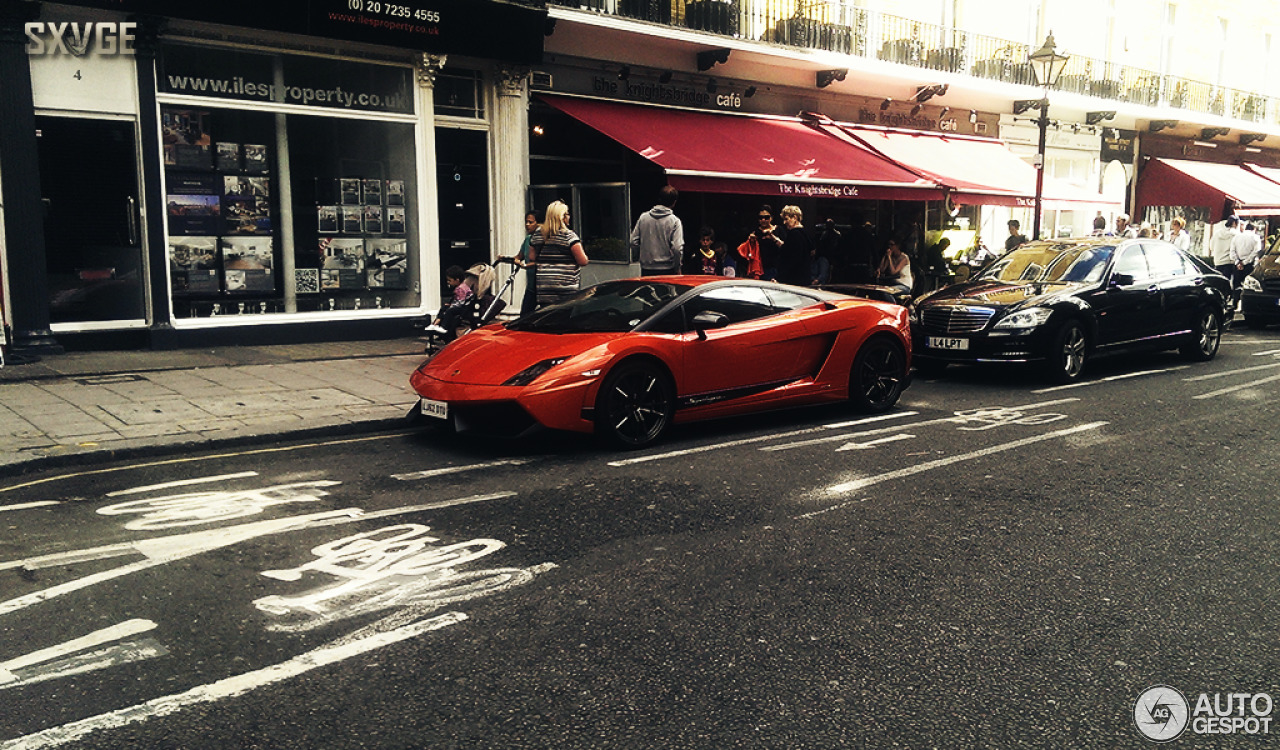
x,y
558,255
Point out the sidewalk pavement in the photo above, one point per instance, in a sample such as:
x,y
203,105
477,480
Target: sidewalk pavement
x,y
78,407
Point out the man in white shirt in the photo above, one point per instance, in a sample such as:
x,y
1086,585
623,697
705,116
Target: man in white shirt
x,y
1245,249
1220,246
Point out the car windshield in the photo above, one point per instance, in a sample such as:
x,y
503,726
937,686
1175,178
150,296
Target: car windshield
x,y
611,307
1052,263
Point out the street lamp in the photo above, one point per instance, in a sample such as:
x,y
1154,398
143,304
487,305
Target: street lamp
x,y
1047,64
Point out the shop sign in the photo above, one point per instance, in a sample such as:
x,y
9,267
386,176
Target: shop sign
x,y
304,81
78,39
478,28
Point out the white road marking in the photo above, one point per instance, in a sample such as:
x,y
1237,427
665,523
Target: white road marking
x,y
985,418
356,644
216,457
1109,379
182,483
164,550
1234,388
458,469
1269,352
25,506
873,443
1230,373
195,508
97,638
858,484
760,439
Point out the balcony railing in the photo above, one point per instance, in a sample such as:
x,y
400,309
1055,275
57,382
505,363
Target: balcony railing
x,y
838,26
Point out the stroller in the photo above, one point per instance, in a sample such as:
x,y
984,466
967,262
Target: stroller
x,y
485,306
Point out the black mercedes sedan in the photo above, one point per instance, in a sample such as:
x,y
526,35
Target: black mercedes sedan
x,y
1060,302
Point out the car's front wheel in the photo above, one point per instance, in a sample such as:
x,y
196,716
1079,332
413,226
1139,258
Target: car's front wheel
x,y
635,404
1068,354
1206,337
878,375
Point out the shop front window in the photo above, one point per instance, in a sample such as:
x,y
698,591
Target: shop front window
x,y
294,190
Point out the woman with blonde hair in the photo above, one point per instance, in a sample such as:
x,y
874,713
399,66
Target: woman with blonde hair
x,y
557,253
1179,235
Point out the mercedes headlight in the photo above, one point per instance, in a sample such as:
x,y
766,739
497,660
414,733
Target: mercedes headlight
x,y
1251,284
531,373
1029,318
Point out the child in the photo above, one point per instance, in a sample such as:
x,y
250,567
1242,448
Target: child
x,y
451,315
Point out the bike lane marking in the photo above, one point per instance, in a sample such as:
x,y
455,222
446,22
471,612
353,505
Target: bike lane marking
x,y
428,473
26,506
358,643
168,549
1234,388
858,484
985,419
1109,379
760,439
182,483
65,659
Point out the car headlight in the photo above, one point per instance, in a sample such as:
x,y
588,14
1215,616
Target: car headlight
x,y
1029,318
1251,284
531,373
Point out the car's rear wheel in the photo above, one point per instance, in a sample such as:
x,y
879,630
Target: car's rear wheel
x,y
1206,337
878,375
1068,354
635,404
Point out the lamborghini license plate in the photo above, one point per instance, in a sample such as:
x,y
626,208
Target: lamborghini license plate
x,y
435,409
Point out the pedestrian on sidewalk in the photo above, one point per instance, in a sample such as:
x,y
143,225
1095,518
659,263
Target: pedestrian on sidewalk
x,y
659,236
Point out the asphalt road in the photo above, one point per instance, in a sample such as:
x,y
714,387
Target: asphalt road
x,y
993,564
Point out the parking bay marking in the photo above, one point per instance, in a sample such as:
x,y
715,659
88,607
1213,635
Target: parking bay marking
x,y
26,506
1229,373
858,484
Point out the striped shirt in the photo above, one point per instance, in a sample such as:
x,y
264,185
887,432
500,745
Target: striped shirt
x,y
558,273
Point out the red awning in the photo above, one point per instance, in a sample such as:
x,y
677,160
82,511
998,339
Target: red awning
x,y
976,170
1271,173
748,154
1178,182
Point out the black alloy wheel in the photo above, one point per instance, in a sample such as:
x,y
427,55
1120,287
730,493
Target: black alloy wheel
x,y
1206,337
1068,354
635,404
878,375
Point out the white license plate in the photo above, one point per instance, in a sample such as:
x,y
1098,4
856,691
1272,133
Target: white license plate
x,y
436,409
942,342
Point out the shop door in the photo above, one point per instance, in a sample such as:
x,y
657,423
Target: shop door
x,y
93,244
462,179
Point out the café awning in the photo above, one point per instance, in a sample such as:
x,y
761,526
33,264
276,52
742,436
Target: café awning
x,y
748,154
1179,182
973,169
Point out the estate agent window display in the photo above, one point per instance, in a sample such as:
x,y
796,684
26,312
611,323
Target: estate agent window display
x,y
346,175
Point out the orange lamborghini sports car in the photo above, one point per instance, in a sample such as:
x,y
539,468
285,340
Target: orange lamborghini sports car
x,y
627,359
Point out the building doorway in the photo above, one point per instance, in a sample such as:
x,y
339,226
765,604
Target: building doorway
x,y
92,226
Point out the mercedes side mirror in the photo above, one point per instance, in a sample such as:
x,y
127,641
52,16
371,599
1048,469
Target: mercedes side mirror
x,y
1122,279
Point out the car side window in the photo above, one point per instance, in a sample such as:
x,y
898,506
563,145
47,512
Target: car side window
x,y
737,303
1164,260
1133,262
784,300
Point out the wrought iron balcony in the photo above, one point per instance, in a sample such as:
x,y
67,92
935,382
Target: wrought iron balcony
x,y
838,26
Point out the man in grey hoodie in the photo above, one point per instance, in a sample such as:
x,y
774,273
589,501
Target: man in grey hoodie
x,y
659,236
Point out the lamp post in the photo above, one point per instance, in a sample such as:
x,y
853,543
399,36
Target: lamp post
x,y
1047,64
